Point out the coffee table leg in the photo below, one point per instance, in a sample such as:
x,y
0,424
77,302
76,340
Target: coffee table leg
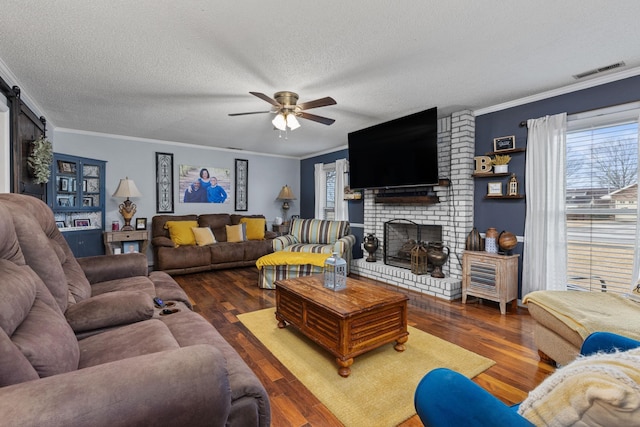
x,y
345,369
400,343
281,322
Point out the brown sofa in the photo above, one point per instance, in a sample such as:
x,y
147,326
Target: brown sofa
x,y
222,254
116,360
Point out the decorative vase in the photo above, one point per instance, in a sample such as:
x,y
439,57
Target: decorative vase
x,y
371,246
473,241
490,241
437,257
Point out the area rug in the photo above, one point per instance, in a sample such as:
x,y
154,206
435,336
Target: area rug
x,y
379,391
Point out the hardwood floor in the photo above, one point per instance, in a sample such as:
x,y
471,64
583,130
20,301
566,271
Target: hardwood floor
x,y
477,326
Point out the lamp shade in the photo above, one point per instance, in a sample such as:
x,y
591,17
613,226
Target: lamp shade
x,y
279,122
292,121
127,188
286,194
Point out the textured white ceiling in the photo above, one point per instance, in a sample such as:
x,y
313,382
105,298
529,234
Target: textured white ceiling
x,y
173,70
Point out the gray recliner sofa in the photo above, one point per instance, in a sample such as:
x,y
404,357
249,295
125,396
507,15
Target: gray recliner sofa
x,y
144,368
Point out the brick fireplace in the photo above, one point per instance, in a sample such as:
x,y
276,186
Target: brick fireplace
x,y
453,214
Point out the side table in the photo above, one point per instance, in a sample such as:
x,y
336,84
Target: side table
x,y
281,229
490,276
114,239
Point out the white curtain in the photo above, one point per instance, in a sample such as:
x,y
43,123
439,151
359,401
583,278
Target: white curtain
x,y
341,205
635,278
321,189
545,237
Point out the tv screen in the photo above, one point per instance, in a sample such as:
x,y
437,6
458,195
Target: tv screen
x,y
398,153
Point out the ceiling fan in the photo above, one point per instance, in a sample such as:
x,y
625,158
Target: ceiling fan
x,y
287,110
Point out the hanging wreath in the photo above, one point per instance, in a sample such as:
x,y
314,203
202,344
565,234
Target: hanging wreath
x,y
39,161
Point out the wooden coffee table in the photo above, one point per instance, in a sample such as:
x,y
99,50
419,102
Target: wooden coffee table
x,y
347,323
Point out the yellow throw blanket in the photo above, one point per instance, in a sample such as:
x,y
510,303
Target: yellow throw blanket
x,y
587,312
292,258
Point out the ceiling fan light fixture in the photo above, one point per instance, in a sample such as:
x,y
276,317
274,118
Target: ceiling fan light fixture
x,y
279,122
292,121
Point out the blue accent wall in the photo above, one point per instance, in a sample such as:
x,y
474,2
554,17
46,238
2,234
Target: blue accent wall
x,y
510,214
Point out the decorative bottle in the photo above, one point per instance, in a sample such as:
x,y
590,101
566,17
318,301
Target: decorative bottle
x,y
335,273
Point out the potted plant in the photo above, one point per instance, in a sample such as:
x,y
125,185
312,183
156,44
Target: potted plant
x,y
501,163
39,161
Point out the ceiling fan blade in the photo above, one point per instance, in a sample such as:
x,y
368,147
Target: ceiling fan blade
x,y
266,98
322,102
252,112
319,119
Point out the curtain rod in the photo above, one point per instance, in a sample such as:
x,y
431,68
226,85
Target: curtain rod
x,y
523,123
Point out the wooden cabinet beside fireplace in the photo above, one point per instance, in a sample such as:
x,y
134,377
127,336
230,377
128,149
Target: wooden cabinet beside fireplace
x,y
490,276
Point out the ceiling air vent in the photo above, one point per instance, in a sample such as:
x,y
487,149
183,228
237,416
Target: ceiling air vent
x,y
599,70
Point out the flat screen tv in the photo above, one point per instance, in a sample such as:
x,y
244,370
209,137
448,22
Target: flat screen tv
x,y
398,153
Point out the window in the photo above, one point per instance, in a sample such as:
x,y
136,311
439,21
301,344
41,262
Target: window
x,y
329,191
602,199
330,187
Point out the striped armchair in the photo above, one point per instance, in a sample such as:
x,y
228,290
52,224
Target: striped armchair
x,y
318,236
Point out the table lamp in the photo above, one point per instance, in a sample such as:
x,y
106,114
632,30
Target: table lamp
x,y
285,194
127,188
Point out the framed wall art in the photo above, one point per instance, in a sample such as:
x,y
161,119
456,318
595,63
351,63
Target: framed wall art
x,y
204,184
242,183
504,143
164,182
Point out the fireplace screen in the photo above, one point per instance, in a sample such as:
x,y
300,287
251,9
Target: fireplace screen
x,y
401,235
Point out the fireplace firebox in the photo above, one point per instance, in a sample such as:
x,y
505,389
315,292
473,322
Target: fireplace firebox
x,y
402,235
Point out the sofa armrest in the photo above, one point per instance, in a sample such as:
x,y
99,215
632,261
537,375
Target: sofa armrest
x,y
186,386
281,242
109,309
162,241
446,398
270,234
344,244
111,267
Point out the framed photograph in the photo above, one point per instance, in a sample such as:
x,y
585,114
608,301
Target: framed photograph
x,y
64,184
494,189
164,183
87,201
65,167
504,143
141,223
64,201
60,224
130,247
242,184
84,185
81,222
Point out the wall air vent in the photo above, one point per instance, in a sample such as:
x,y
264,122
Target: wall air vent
x,y
599,70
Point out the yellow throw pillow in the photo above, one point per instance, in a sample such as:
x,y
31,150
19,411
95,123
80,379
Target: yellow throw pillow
x,y
181,233
255,227
236,233
204,236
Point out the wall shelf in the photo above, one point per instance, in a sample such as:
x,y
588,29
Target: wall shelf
x,y
515,150
490,175
519,196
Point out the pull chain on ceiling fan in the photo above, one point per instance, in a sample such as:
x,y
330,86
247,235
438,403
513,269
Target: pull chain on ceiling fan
x,y
287,110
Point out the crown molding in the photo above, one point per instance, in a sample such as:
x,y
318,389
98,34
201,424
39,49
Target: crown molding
x,y
597,81
163,142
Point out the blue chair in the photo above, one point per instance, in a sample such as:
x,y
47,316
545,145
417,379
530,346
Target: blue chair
x,y
446,398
